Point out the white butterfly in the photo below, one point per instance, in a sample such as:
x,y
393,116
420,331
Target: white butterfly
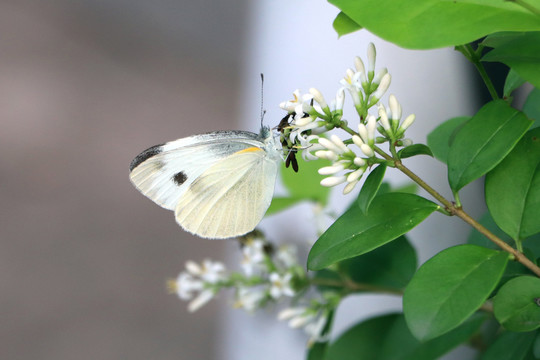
x,y
219,184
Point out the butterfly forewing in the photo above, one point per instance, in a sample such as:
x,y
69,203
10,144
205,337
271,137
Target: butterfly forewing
x,y
164,172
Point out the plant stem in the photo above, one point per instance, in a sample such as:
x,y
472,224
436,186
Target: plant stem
x,y
456,210
474,57
354,286
459,212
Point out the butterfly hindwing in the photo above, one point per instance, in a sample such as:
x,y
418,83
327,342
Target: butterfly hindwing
x,y
229,198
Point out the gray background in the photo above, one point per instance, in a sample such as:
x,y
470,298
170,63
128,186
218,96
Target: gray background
x,y
84,87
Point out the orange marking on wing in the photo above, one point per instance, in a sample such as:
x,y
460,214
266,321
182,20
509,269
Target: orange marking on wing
x,y
249,149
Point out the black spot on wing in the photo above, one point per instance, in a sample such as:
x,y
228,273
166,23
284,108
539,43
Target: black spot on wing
x,y
145,155
179,178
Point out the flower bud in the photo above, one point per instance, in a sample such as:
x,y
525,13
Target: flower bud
x,y
349,187
366,149
318,97
395,108
359,65
407,122
333,181
371,54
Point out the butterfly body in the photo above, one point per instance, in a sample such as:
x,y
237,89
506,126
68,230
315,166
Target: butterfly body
x,y
219,184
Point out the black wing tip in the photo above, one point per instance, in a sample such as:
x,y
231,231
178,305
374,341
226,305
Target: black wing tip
x,y
145,155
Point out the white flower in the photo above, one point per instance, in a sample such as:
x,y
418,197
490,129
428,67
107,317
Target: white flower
x,y
253,257
315,329
204,297
311,320
186,286
286,256
300,104
352,84
212,271
249,298
280,285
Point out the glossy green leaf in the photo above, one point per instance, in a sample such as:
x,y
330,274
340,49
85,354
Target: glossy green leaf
x,y
390,266
344,25
521,52
531,108
305,184
516,304
536,347
281,203
428,24
364,340
355,233
317,351
513,81
484,141
413,150
388,338
371,187
513,189
439,140
450,287
509,346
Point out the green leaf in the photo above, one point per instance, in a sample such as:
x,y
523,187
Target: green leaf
x,y
509,346
513,189
365,339
415,149
388,338
515,305
521,52
536,347
429,24
281,203
531,108
344,25
389,266
439,140
450,287
317,351
371,187
513,81
355,233
484,141
305,184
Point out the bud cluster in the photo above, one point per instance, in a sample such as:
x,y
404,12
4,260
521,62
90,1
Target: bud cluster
x,y
311,118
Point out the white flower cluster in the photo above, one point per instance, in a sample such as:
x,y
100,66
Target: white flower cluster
x,y
314,319
312,117
265,277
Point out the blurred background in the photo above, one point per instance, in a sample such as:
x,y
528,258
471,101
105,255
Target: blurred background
x,y
84,87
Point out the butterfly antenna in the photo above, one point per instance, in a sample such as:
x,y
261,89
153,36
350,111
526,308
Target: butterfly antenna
x,y
263,112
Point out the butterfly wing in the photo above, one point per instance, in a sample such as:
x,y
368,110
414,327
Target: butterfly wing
x,y
164,172
231,197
